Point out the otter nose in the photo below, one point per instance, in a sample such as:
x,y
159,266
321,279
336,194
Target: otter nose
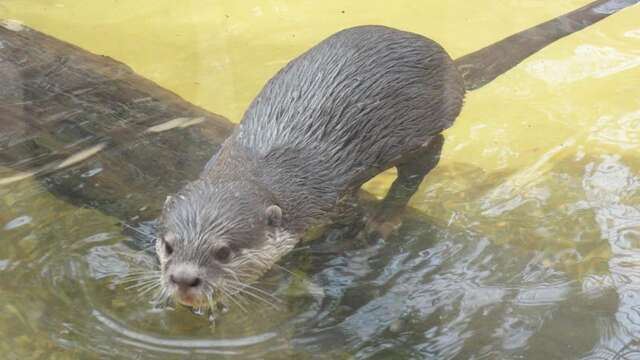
x,y
185,280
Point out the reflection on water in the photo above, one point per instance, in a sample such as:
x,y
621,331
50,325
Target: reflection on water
x,y
612,191
587,61
525,246
554,273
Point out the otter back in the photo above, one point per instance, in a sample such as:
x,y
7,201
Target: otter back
x,y
354,104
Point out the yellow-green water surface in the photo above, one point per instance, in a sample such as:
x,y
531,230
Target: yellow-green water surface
x,y
530,245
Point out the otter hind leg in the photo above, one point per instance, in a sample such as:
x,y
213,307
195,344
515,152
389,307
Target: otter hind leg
x,y
411,172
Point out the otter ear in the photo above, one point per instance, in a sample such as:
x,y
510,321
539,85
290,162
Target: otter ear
x,y
274,215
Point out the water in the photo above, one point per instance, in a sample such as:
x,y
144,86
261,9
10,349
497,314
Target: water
x,y
526,244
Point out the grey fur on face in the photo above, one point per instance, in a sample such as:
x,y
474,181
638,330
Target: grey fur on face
x,y
219,236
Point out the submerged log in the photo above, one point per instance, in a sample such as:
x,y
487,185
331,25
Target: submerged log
x,y
92,131
96,134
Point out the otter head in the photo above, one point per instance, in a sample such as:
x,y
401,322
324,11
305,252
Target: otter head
x,y
216,238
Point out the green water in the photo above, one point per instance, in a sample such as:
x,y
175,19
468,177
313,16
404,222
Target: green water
x,y
528,246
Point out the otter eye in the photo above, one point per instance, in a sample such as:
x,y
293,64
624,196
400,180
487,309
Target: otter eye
x,y
223,254
168,237
168,248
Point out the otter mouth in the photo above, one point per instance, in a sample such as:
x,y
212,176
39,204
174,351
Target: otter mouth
x,y
192,297
197,301
191,300
200,304
187,285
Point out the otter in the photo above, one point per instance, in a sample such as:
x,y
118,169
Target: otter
x,y
361,101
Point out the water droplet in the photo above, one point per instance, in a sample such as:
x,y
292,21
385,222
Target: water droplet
x,y
222,308
99,237
397,326
17,222
198,311
92,172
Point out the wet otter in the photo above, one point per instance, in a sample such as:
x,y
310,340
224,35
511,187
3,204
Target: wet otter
x,y
363,100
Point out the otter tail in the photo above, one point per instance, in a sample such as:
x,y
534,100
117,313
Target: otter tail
x,y
482,66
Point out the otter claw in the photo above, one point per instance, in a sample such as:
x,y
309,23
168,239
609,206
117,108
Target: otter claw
x,y
383,230
383,222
